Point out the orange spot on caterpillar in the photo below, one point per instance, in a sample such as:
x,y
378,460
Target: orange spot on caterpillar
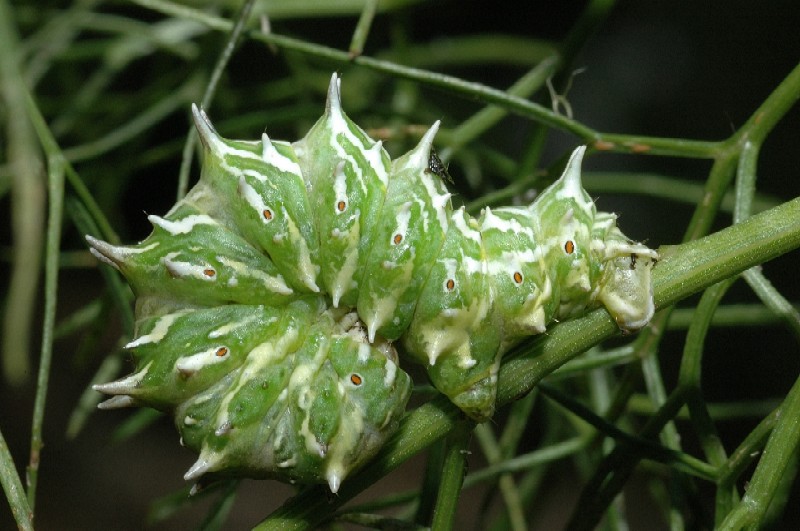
x,y
355,379
517,277
209,272
267,214
569,247
450,284
340,206
221,351
397,239
640,148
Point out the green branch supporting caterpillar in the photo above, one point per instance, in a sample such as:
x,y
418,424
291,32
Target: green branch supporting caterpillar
x,y
270,299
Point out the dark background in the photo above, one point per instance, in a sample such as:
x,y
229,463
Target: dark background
x,y
662,68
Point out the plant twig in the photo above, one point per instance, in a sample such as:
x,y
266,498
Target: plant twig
x,y
55,173
27,208
608,142
781,445
191,139
453,470
12,486
362,28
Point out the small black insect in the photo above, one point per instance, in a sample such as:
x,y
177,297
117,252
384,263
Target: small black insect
x,y
437,167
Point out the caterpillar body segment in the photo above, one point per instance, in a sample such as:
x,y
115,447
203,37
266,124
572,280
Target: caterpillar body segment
x,y
404,243
346,175
258,187
294,393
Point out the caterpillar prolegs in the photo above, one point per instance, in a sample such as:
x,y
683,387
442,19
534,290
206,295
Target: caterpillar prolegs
x,y
270,299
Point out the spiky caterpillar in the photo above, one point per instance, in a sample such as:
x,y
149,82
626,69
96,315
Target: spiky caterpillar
x,y
270,298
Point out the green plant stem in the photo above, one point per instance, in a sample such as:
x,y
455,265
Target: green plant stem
x,y
746,181
120,292
55,173
748,450
392,499
167,506
690,379
50,145
643,447
758,282
215,519
27,207
480,122
719,411
626,386
755,129
731,315
770,112
483,48
12,486
426,500
579,366
727,495
591,19
457,86
781,445
376,521
768,235
225,56
546,454
136,41
663,187
656,390
453,470
142,122
491,449
362,28
498,197
519,415
773,299
616,468
80,318
719,178
136,423
87,403
55,37
589,22
691,365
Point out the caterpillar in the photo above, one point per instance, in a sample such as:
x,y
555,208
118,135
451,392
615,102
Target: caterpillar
x,y
271,300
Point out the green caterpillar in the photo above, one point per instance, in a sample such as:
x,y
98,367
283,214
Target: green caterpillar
x,y
270,299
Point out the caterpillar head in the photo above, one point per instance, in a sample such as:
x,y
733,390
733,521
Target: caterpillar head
x,y
626,289
589,258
